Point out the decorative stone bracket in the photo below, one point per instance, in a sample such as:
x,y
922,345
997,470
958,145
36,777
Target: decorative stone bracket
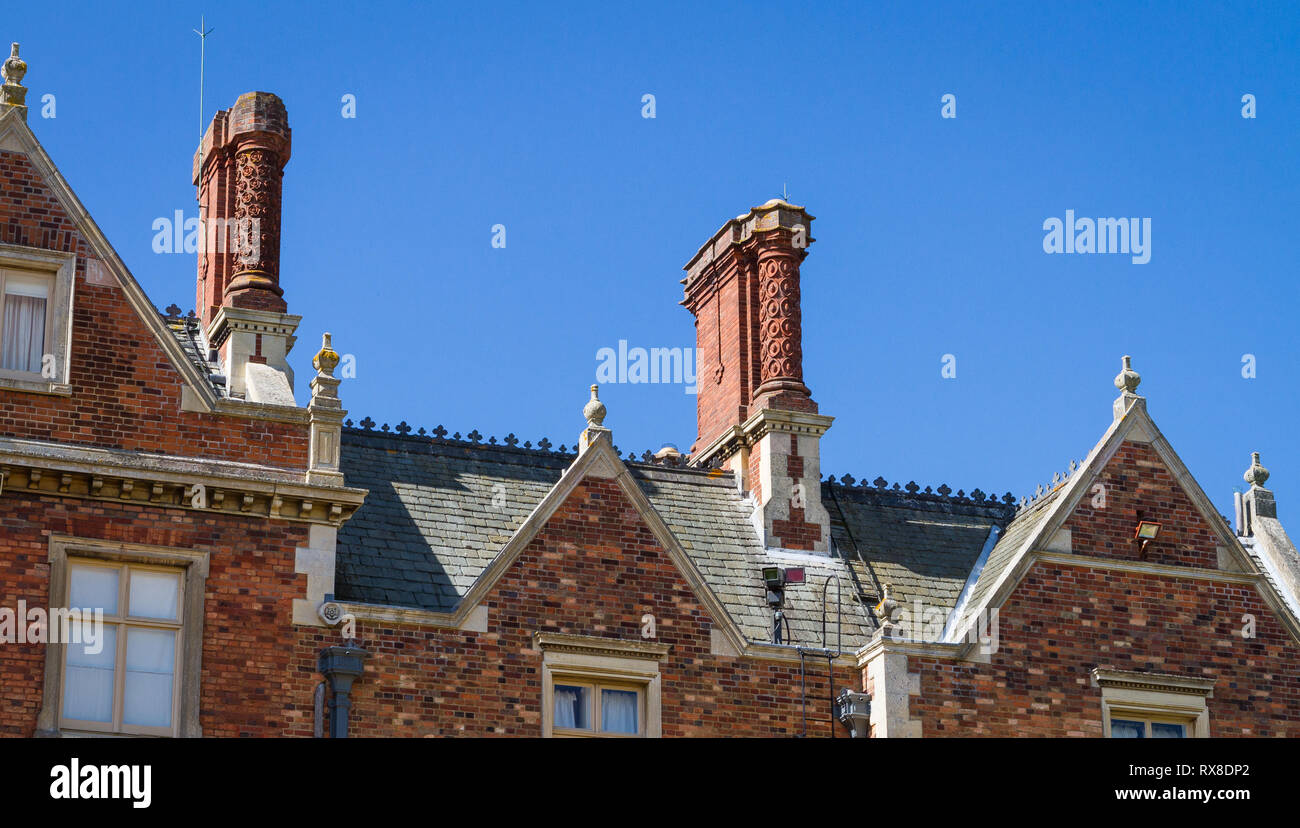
x,y
253,499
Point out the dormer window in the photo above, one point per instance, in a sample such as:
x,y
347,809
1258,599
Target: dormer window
x,y
25,323
36,288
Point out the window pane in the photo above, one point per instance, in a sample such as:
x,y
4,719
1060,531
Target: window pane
x,y
1164,730
23,342
1122,729
150,665
88,684
153,594
618,711
572,706
93,587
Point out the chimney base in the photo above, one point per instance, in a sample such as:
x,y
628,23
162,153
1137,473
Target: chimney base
x,y
254,346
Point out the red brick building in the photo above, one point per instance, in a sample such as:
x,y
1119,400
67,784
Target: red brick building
x,y
267,569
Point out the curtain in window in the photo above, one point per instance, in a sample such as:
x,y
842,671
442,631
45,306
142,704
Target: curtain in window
x,y
618,711
1163,730
153,594
570,706
88,684
150,664
1121,729
23,343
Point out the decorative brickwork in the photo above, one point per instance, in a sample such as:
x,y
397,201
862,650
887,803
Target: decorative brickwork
x,y
238,169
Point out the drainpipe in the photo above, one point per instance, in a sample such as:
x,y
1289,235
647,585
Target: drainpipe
x,y
341,665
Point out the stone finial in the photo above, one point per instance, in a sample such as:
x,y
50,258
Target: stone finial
x,y
327,359
594,410
13,93
14,68
1127,380
1256,475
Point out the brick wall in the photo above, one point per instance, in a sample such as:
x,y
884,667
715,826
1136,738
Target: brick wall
x,y
730,307
1062,621
126,394
1138,486
251,683
594,569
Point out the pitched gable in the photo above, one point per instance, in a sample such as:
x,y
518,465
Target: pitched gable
x,y
131,384
1132,471
1136,484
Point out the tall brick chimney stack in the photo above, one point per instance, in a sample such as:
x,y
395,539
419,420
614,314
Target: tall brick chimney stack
x,y
755,414
238,170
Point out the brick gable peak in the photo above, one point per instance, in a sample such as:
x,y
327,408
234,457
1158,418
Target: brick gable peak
x,y
16,137
1040,528
598,460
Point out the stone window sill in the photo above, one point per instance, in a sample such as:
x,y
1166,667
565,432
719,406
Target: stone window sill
x,y
36,386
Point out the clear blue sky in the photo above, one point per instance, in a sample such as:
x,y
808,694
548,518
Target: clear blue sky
x,y
929,231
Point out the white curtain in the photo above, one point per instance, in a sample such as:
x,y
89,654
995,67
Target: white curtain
x,y
1121,729
570,707
94,587
618,711
154,594
150,665
24,333
88,684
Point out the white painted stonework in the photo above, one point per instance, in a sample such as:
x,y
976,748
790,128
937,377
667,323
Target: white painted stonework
x,y
316,561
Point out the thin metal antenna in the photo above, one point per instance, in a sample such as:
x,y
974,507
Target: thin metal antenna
x,y
203,33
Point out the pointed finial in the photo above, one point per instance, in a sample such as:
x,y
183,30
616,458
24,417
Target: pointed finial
x,y
594,410
327,359
14,68
13,93
1128,380
1256,475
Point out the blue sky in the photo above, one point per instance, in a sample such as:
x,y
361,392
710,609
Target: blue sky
x,y
929,230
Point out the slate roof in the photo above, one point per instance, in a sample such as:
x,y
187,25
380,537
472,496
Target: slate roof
x,y
1003,555
440,509
923,545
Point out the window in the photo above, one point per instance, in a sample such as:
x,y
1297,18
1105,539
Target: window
x,y
36,288
600,687
1138,705
597,708
24,321
139,676
1147,728
124,682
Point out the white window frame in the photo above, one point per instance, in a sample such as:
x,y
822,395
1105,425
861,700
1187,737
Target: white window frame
x,y
60,270
124,622
596,662
193,568
1160,697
